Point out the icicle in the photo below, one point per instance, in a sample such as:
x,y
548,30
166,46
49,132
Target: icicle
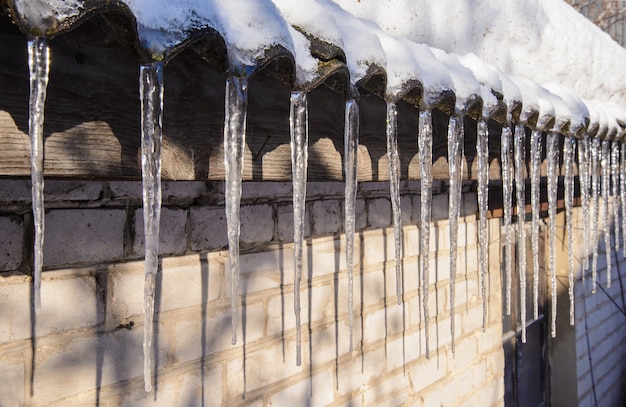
x,y
394,187
351,140
151,91
39,65
583,177
535,187
622,185
426,190
606,221
507,190
520,159
234,142
552,154
299,128
595,194
482,152
568,162
455,165
615,190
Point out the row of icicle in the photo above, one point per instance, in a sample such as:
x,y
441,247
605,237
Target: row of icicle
x,y
598,161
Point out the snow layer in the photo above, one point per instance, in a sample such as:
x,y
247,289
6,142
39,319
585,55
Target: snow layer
x,y
247,27
46,14
543,40
469,47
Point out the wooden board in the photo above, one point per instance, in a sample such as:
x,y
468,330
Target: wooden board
x,y
92,119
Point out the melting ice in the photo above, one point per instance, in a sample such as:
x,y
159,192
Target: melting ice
x,y
39,66
568,163
394,187
507,190
455,165
535,175
482,152
151,91
351,141
236,103
298,121
552,154
426,190
520,158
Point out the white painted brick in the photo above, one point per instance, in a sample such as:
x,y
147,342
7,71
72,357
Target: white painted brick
x,y
266,270
165,396
314,392
327,217
411,241
257,223
182,282
208,228
281,314
13,377
15,304
428,371
11,242
71,367
396,353
188,334
68,303
285,223
252,321
432,398
88,236
203,388
326,256
322,303
379,213
374,326
66,190
126,289
262,367
373,288
172,233
378,246
390,392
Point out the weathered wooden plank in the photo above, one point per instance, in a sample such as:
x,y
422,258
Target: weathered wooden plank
x,y
93,119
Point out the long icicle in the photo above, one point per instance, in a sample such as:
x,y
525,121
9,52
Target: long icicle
x,y
234,141
426,190
394,188
568,162
520,160
482,152
583,178
507,189
615,191
622,185
351,141
595,193
39,66
535,187
552,154
606,218
151,91
299,128
455,165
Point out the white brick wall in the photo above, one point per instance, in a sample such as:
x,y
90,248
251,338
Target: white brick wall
x,y
89,332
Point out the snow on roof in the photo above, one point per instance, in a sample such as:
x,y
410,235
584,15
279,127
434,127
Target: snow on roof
x,y
469,47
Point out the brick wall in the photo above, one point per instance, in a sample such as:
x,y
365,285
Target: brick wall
x,y
588,360
88,337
